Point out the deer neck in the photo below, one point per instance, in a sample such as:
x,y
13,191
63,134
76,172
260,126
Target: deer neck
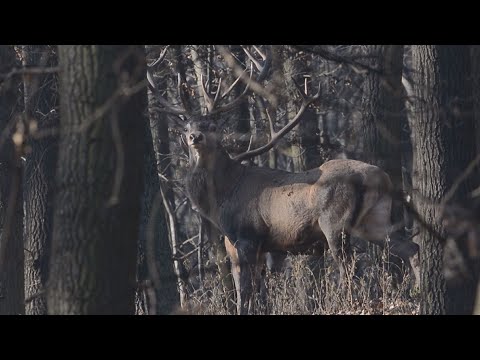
x,y
211,160
213,177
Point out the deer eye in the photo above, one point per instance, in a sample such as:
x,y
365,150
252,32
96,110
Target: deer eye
x,y
185,129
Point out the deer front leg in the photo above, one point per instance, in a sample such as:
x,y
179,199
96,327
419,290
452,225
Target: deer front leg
x,y
235,263
243,257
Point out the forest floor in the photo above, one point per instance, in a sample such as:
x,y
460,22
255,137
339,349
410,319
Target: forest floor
x,y
303,290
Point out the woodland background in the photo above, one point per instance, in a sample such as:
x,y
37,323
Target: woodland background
x,y
93,214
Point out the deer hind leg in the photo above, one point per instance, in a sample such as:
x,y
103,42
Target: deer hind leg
x,y
407,251
243,257
375,227
339,243
260,280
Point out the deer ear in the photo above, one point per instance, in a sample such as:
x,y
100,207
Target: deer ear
x,y
212,128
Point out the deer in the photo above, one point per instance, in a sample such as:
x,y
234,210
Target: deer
x,y
261,210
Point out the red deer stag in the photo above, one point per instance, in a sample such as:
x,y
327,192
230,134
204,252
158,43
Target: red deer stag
x,y
268,210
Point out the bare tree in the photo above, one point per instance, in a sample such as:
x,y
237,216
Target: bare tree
x,y
305,135
474,57
155,253
442,120
99,180
41,112
11,240
382,116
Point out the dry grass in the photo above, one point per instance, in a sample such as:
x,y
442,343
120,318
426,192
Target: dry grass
x,y
310,288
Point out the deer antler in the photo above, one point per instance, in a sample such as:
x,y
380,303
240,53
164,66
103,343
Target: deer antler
x,y
212,106
276,136
212,102
254,84
167,106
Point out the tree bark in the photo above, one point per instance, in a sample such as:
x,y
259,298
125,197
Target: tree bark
x,y
382,120
443,146
475,64
99,180
156,238
41,111
305,135
11,241
241,114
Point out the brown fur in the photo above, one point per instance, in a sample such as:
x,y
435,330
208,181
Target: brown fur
x,y
262,210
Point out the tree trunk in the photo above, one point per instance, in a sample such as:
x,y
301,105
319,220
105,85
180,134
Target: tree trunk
x,y
99,180
306,140
161,264
41,111
382,120
156,253
241,112
443,146
11,241
475,64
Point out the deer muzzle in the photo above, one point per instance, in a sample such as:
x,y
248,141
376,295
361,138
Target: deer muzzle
x,y
196,138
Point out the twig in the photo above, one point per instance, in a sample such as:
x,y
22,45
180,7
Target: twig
x,y
30,71
34,296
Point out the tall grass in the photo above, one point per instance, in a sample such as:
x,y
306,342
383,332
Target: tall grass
x,y
313,287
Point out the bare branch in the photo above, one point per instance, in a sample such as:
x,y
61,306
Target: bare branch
x,y
184,101
160,58
262,54
34,296
270,122
30,71
356,65
167,107
211,103
239,71
218,91
458,181
233,85
208,100
276,136
235,102
252,59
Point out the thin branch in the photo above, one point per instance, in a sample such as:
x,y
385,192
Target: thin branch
x,y
262,54
280,134
172,226
101,111
239,71
167,107
30,71
328,55
233,85
160,58
473,164
34,296
270,122
252,59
